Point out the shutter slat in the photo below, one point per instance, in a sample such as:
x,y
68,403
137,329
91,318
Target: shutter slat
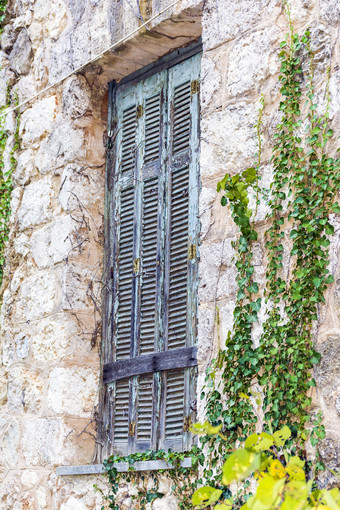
x,y
125,260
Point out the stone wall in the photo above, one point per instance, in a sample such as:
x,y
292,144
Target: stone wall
x,y
49,376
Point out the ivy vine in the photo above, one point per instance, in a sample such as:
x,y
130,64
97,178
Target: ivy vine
x,y
6,183
305,183
183,479
3,8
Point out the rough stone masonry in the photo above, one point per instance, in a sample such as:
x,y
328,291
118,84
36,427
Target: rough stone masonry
x,y
51,294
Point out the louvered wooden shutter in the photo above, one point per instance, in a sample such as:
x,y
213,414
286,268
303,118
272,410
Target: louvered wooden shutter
x,y
155,254
181,249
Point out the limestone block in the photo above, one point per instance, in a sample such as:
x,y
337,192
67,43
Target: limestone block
x,y
43,442
22,346
7,349
25,167
217,272
6,157
263,209
329,451
55,339
26,86
76,96
321,45
41,495
77,286
330,11
38,120
39,295
77,10
22,244
24,390
3,88
9,444
10,122
64,145
72,390
211,80
300,10
206,199
252,61
334,89
60,58
226,319
29,479
81,45
80,185
337,404
35,32
166,503
206,321
74,504
223,21
52,244
35,206
210,262
8,37
327,371
226,286
99,29
21,54
228,140
3,387
53,16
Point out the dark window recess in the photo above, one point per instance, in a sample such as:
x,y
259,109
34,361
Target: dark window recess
x,y
152,233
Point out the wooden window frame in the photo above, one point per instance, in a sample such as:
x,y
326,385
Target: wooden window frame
x,y
157,361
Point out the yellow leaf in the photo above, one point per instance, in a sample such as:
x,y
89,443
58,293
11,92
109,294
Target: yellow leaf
x,y
277,470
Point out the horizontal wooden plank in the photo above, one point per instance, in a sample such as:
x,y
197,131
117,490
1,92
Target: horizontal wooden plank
x,y
150,363
122,467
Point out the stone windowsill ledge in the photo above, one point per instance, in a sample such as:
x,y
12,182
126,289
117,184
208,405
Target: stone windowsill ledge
x,y
122,467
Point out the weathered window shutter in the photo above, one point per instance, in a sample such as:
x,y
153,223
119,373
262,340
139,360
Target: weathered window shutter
x,y
181,249
155,260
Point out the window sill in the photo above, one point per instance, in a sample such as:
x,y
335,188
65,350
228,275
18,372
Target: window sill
x,y
122,467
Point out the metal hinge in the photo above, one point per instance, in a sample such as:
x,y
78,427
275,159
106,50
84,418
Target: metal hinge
x,y
140,111
186,423
195,86
192,251
132,428
136,265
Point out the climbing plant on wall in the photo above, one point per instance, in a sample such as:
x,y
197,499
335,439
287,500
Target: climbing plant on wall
x,y
6,183
305,183
3,7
